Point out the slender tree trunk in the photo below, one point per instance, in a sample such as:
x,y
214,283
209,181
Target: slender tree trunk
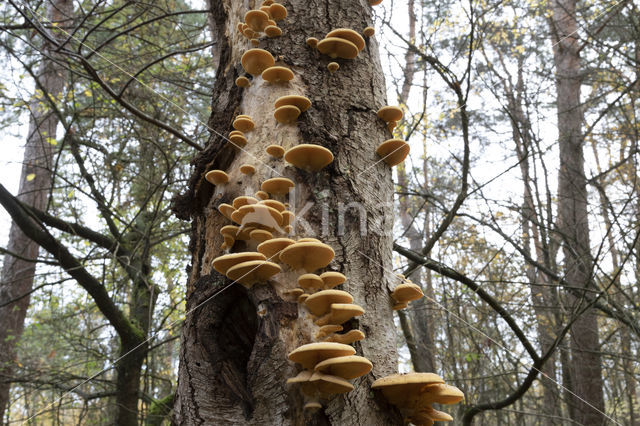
x,y
586,369
35,184
233,363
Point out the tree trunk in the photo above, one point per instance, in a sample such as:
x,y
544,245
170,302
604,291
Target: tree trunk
x,y
233,363
35,184
586,369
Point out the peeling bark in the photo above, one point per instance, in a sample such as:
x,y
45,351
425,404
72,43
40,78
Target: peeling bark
x,y
233,363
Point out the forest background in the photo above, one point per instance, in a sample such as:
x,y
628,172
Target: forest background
x,y
518,210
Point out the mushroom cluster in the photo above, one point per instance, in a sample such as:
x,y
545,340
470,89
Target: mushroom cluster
x,y
341,43
263,20
330,363
404,293
392,151
415,393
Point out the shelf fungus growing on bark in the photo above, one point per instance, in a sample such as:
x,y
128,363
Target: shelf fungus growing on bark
x,y
243,123
309,157
262,20
276,151
415,393
390,115
277,74
393,151
405,293
333,67
341,43
217,177
288,108
255,61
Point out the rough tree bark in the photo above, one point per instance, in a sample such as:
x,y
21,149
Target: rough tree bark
x,y
233,363
573,224
18,272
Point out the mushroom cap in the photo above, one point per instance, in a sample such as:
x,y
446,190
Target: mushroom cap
x,y
275,204
243,200
340,313
278,11
295,292
265,9
256,19
302,298
347,367
312,353
258,215
223,263
333,67
400,305
309,256
277,186
254,61
393,151
286,114
320,303
247,169
347,338
312,41
330,385
328,329
275,151
337,47
312,405
243,81
310,281
440,393
331,279
406,292
261,235
403,390
309,157
217,177
390,113
226,210
244,124
275,74
374,2
262,195
369,31
273,247
230,230
255,42
436,415
301,102
287,217
301,377
348,34
273,31
238,140
253,271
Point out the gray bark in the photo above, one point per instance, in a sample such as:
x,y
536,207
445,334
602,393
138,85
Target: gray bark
x,y
18,273
573,226
233,363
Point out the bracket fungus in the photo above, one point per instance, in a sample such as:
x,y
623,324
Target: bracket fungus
x,y
333,67
257,20
405,293
243,123
253,271
277,74
243,200
309,157
346,367
262,195
313,353
243,81
312,42
258,215
275,204
340,313
414,393
310,282
331,279
301,102
217,177
255,61
368,32
309,256
277,186
276,151
348,34
320,303
393,151
272,248
337,47
278,12
247,169
226,210
273,31
226,261
286,114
